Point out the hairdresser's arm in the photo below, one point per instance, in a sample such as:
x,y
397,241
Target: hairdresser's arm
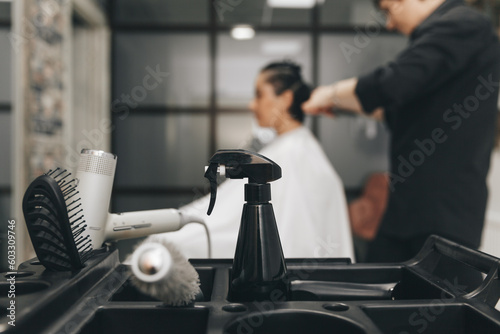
x,y
340,95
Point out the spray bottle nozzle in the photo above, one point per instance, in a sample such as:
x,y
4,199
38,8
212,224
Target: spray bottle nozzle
x,y
211,175
239,164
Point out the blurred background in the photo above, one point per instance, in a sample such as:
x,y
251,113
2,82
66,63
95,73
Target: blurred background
x,y
165,83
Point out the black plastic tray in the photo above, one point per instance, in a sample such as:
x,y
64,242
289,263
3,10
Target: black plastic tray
x,y
447,288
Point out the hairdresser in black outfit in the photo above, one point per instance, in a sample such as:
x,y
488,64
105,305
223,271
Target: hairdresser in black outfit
x,y
439,99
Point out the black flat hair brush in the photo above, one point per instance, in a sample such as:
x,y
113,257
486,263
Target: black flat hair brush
x,y
55,221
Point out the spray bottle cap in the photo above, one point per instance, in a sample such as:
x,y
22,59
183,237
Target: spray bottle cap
x,y
239,164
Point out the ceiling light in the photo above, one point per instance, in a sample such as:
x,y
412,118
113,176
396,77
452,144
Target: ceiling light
x,y
291,3
242,32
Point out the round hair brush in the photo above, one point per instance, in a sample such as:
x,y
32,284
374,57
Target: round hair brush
x,y
161,271
55,221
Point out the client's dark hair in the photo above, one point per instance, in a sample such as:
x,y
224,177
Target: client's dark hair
x,y
285,75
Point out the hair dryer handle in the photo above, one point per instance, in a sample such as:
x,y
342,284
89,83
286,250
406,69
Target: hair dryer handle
x,y
142,223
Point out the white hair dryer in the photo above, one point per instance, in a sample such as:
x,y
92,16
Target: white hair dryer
x,y
94,177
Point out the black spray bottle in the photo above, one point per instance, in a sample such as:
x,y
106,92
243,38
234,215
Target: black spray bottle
x,y
259,269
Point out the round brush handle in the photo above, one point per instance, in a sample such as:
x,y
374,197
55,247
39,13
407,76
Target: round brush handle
x,y
151,262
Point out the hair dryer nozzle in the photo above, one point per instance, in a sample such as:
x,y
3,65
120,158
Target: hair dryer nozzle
x,y
95,175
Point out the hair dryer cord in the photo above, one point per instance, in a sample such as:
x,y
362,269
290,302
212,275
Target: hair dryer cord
x,y
187,219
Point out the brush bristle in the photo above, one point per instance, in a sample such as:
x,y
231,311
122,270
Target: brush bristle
x,y
56,222
75,212
180,286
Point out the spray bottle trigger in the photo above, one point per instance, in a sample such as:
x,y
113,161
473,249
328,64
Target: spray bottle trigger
x,y
211,175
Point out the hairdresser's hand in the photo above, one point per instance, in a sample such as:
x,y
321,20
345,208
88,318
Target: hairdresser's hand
x,y
322,101
340,95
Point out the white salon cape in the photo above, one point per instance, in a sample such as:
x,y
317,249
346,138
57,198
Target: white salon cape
x,y
308,201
